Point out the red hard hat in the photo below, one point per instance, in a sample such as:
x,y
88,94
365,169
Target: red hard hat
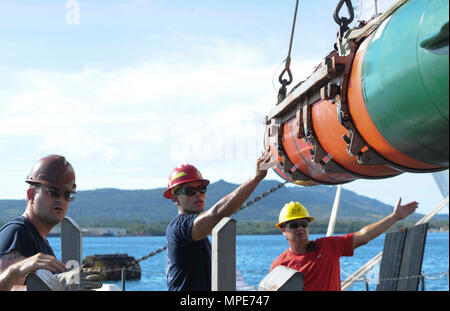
x,y
53,171
183,174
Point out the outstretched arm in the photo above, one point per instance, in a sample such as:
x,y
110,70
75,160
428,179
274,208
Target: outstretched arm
x,y
206,221
371,231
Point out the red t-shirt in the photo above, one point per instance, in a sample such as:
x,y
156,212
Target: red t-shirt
x,y
320,267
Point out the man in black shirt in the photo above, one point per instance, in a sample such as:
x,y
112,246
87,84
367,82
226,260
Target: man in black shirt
x,y
23,241
188,248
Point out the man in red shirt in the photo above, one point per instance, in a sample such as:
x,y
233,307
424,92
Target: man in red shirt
x,y
318,260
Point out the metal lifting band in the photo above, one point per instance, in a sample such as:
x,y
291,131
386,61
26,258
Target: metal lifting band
x,y
341,20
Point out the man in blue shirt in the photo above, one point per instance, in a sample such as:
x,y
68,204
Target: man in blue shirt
x,y
23,241
188,246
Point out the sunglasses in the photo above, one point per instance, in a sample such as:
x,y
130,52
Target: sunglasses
x,y
54,193
190,191
295,225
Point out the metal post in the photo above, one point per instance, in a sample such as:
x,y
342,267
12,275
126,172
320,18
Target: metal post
x,y
71,236
441,180
124,277
422,281
223,276
334,211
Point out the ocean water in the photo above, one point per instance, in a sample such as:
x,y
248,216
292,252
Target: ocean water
x,y
254,255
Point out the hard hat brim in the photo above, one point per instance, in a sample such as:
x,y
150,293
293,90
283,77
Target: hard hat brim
x,y
168,193
278,225
54,171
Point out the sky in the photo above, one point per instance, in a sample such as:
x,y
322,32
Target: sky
x,y
128,89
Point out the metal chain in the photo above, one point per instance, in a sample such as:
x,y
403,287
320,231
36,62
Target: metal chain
x,y
263,195
152,254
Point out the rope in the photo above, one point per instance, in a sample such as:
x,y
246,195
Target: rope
x,y
441,276
427,276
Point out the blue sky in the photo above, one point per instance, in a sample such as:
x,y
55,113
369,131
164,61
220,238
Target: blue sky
x,y
130,89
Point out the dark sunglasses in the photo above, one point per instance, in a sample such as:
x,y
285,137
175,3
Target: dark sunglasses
x,y
190,191
54,193
295,225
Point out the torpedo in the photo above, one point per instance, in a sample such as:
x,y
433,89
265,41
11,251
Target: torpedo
x,y
375,107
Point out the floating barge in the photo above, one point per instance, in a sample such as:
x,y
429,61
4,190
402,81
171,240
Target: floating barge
x,y
112,265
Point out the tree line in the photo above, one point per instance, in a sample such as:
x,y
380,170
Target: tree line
x,y
254,228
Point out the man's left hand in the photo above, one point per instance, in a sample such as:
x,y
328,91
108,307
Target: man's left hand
x,y
403,211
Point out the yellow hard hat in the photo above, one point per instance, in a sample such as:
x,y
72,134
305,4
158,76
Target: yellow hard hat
x,y
291,211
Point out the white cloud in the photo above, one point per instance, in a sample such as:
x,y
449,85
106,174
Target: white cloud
x,y
205,106
231,132
77,142
148,99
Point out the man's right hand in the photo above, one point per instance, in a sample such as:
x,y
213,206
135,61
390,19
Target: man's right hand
x,y
263,163
36,262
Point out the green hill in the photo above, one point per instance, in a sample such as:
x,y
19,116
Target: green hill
x,y
134,209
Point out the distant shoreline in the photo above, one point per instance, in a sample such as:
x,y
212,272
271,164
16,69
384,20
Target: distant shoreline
x,y
433,230
242,228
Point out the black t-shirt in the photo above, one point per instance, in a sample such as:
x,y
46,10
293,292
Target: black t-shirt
x,y
21,235
188,262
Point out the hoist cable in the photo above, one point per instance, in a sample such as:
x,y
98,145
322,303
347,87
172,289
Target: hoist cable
x,y
287,69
